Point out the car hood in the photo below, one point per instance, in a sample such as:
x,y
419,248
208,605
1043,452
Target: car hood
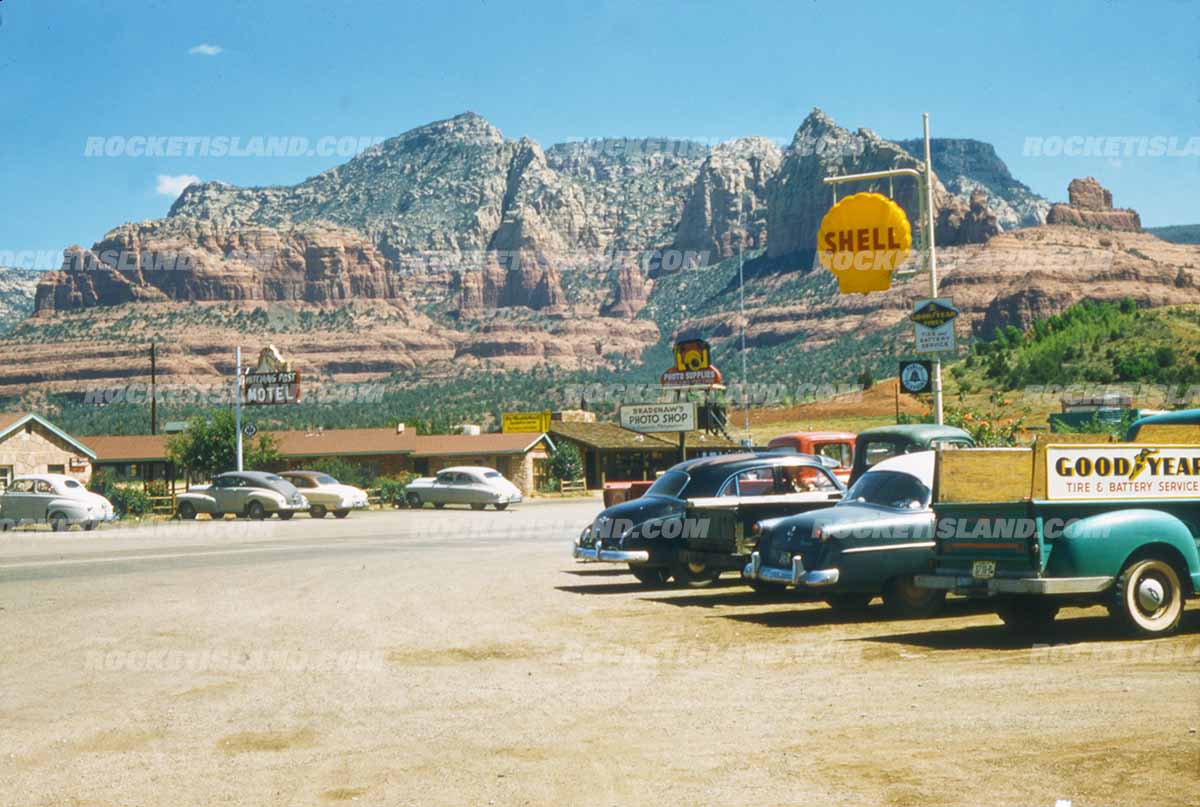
x,y
612,521
840,521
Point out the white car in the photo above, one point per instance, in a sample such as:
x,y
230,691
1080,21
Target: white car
x,y
55,499
325,494
464,484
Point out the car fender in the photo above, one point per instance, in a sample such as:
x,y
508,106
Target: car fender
x,y
71,508
1101,545
203,502
270,501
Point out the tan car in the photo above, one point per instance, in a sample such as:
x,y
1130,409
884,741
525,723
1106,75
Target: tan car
x,y
327,495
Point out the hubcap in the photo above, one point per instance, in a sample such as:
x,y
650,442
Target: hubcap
x,y
696,568
1150,594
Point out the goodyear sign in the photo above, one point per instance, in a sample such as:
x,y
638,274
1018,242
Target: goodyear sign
x,y
862,240
933,320
1114,471
532,422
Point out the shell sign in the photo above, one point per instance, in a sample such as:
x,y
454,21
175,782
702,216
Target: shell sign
x,y
863,239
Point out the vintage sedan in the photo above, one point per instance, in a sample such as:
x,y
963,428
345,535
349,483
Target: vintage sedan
x,y
465,484
53,499
325,494
874,541
692,524
252,494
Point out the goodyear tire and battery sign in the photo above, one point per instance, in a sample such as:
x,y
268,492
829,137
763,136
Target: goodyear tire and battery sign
x,y
933,320
863,239
1114,471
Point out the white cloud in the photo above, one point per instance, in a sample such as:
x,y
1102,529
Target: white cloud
x,y
173,186
205,49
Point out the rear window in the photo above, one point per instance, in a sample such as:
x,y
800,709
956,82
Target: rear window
x,y
492,475
877,451
71,483
326,479
894,489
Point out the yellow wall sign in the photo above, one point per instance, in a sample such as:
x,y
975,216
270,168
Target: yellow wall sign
x,y
531,422
863,239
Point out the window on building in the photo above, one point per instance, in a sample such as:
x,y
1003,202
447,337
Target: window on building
x,y
56,469
6,475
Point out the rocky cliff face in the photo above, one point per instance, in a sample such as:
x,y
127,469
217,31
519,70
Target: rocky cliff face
x,y
1091,205
970,222
965,166
18,287
186,259
726,208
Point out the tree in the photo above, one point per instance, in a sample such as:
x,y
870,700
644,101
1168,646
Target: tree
x,y
209,446
565,463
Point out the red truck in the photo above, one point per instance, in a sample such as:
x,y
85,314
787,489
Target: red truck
x,y
837,446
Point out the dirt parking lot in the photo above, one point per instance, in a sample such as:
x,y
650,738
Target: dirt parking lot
x,y
452,657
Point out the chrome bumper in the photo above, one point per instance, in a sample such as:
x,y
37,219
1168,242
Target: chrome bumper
x,y
794,576
602,555
965,584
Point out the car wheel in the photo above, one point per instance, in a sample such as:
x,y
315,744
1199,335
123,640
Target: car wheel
x,y
694,574
255,511
439,505
1027,615
414,501
855,604
478,506
187,511
500,505
656,576
317,511
286,515
1148,598
59,522
903,597
340,513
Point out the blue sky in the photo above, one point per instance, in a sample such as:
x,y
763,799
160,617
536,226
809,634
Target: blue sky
x,y
1001,72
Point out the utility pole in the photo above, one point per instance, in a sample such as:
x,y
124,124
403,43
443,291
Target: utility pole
x,y
237,405
153,391
742,305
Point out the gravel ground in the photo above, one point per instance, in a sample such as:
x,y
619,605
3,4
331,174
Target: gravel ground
x,y
451,657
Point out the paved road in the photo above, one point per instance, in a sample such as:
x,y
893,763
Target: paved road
x,y
454,657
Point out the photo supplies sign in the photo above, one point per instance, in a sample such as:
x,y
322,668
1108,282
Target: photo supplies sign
x,y
659,417
1115,471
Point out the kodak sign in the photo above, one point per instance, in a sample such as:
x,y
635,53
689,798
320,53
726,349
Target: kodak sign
x,y
862,240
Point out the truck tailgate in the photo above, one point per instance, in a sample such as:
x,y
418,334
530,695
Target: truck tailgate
x,y
982,541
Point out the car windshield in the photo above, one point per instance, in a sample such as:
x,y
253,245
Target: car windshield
x,y
670,484
894,489
325,479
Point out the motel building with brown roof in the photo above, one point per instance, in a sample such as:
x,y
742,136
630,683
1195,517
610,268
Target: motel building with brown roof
x,y
520,457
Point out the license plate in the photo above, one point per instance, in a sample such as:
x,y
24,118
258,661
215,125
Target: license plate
x,y
783,560
983,569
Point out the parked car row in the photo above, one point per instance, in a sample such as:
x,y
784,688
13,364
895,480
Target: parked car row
x,y
1014,525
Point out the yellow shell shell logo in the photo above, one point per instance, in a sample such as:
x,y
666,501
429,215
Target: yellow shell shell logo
x,y
862,240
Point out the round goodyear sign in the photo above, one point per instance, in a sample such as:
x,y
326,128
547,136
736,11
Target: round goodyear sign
x,y
863,239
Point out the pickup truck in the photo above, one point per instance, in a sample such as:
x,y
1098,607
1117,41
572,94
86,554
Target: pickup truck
x,y
1075,520
880,443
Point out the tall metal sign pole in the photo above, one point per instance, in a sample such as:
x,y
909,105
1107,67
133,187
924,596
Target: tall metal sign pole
x,y
928,215
237,405
931,260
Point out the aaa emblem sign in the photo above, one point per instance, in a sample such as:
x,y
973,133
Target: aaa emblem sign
x,y
862,240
